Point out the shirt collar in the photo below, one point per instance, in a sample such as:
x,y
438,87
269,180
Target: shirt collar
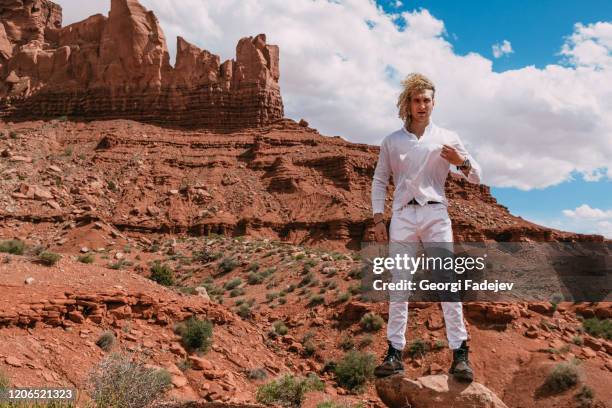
x,y
428,130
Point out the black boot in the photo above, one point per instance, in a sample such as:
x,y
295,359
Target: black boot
x,y
460,369
392,364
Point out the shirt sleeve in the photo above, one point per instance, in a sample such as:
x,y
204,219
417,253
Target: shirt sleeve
x,y
381,179
475,174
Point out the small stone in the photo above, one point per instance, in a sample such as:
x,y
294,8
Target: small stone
x,y
29,281
119,255
84,250
13,361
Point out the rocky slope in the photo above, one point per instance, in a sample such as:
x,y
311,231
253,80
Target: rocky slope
x,y
119,67
247,287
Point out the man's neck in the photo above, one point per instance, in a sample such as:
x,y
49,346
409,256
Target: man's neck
x,y
418,128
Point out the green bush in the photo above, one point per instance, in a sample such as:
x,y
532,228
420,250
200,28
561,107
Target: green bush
x,y
288,391
196,334
417,348
585,397
119,381
162,274
366,341
228,264
234,283
562,377
598,327
354,370
271,296
237,292
280,328
257,374
344,297
253,267
316,300
254,278
347,343
106,340
48,258
12,246
371,322
86,259
244,311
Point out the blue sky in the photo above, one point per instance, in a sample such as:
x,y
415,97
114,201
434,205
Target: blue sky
x,y
536,31
536,28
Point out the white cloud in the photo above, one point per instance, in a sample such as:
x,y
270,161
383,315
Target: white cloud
x,y
341,64
586,219
398,4
586,212
502,49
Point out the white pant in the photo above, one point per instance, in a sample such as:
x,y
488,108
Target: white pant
x,y
429,224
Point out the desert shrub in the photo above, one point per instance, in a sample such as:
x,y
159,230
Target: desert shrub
x,y
347,343
562,377
268,272
584,397
196,334
289,390
162,274
309,348
365,341
228,264
205,255
12,246
270,296
244,311
316,300
106,340
577,340
333,404
371,322
282,301
344,297
598,327
439,344
253,267
237,292
121,382
86,259
254,278
280,327
306,279
257,374
354,370
417,348
356,273
291,287
48,258
184,365
234,283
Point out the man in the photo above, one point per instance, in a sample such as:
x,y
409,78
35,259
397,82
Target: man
x,y
419,156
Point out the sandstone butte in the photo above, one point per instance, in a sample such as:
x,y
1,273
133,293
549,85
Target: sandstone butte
x,y
119,67
107,150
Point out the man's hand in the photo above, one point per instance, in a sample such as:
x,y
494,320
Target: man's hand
x,y
450,154
380,228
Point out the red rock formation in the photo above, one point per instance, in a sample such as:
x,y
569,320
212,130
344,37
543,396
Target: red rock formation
x,y
119,67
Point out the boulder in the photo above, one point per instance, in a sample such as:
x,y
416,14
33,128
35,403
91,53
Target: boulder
x,y
432,391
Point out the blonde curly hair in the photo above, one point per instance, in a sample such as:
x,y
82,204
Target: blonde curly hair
x,y
414,82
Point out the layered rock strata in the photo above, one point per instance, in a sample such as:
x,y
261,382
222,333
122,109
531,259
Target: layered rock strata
x,y
119,67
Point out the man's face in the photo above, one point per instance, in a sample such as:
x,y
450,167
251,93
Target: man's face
x,y
421,105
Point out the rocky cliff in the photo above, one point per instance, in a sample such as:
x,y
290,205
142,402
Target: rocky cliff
x,y
119,67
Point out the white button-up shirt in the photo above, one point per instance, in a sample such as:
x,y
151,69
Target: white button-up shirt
x,y
418,170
